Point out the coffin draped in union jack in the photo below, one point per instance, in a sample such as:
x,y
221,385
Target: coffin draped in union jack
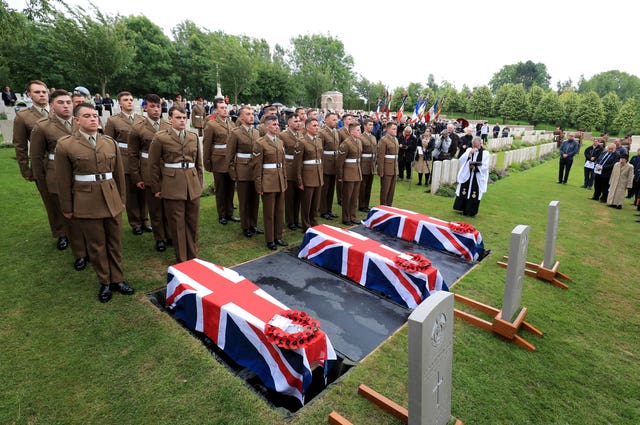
x,y
369,263
460,239
233,311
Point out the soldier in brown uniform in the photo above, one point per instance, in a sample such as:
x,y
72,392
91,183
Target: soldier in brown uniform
x,y
140,138
271,181
268,111
291,138
176,177
44,138
330,143
90,175
239,149
198,116
368,165
387,158
216,133
343,134
349,173
309,174
119,127
23,123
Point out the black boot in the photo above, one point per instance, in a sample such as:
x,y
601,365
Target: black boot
x,y
427,179
419,179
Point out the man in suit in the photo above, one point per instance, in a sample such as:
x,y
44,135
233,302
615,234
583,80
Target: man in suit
x,y
270,180
387,158
44,138
176,178
309,174
239,149
9,97
24,122
368,165
348,172
602,173
216,133
291,138
140,138
90,175
119,127
330,142
198,116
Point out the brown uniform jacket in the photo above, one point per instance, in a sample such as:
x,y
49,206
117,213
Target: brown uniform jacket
x,y
44,137
310,174
140,139
22,125
330,143
343,134
388,145
197,116
369,147
214,142
239,149
347,170
94,199
269,173
179,184
291,150
119,128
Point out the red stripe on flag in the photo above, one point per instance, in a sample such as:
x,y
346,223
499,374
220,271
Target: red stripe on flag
x,y
461,248
180,289
417,297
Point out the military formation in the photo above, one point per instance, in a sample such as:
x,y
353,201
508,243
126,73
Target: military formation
x,y
152,169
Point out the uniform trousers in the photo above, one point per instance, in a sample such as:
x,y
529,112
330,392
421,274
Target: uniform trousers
x,y
309,206
365,191
136,205
350,192
339,191
272,206
104,246
292,198
326,196
156,213
601,187
57,222
387,189
224,194
249,202
182,221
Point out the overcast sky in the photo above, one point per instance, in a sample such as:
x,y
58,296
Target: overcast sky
x,y
460,41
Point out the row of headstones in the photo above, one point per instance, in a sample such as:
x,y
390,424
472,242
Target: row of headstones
x,y
446,172
526,154
535,138
499,143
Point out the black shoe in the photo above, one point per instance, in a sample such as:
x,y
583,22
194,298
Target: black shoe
x,y
348,223
257,230
281,242
637,221
80,264
419,184
339,202
272,246
326,216
137,231
147,228
222,220
123,287
559,182
248,233
362,209
292,227
161,246
593,199
332,215
619,207
233,218
602,201
355,222
63,243
298,226
104,294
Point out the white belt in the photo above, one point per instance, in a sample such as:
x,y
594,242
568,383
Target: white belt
x,y
197,116
123,145
220,146
289,157
180,164
391,156
352,160
144,154
367,155
271,165
243,155
329,152
312,161
93,177
52,156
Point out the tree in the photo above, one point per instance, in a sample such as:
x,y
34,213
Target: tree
x,y
526,73
569,102
193,53
236,67
481,102
515,105
549,109
611,105
565,86
589,114
533,99
621,83
628,118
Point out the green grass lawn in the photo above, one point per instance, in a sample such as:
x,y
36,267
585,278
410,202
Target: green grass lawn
x,y
67,359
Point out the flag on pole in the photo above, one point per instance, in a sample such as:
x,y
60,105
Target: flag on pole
x,y
431,113
401,108
378,108
439,109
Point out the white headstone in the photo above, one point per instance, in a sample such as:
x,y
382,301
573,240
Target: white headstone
x,y
430,360
446,169
515,271
453,172
435,176
552,232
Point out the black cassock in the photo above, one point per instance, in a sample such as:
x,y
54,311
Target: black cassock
x,y
469,199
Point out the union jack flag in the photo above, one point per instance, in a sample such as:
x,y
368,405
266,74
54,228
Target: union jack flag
x,y
369,263
233,311
427,231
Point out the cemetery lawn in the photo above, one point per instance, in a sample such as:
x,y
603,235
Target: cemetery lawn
x,y
67,359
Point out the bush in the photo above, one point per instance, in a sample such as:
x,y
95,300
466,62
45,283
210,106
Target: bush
x,y
495,175
446,190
